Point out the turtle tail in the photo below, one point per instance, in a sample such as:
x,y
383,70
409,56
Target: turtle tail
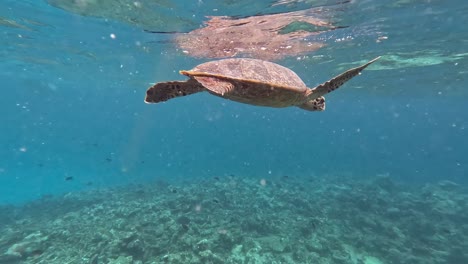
x,y
333,84
164,91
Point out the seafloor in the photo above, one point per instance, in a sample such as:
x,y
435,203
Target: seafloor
x,y
231,219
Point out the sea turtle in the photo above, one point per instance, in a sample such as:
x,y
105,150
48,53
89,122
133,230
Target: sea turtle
x,y
251,81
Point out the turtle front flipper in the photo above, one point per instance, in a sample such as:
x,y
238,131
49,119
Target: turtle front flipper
x,y
164,91
337,81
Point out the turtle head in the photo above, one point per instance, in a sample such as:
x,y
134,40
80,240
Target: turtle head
x,y
317,104
164,91
158,93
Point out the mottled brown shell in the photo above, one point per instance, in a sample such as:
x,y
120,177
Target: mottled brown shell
x,y
250,81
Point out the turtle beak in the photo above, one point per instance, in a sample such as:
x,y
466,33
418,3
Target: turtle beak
x,y
149,99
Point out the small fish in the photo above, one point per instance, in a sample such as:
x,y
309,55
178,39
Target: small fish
x,y
69,178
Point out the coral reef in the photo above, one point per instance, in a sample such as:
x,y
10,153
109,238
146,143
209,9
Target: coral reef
x,y
230,219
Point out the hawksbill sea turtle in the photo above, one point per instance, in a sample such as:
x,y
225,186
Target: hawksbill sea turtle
x,y
251,81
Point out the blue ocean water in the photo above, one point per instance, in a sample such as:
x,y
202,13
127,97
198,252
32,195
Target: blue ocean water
x,y
73,124
72,102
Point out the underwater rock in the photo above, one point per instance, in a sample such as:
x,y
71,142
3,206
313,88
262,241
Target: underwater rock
x,y
393,212
444,199
121,260
385,183
202,245
314,245
33,244
448,186
273,243
208,257
340,257
183,221
136,248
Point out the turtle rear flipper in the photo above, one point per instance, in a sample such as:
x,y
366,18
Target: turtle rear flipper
x,y
333,84
164,91
317,104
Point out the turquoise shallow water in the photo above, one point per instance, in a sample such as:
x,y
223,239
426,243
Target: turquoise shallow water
x,y
72,99
73,121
